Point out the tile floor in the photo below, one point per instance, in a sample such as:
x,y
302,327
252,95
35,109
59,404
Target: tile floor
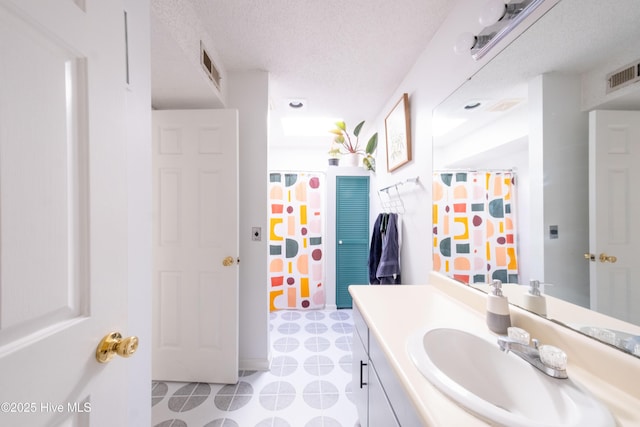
x,y
309,383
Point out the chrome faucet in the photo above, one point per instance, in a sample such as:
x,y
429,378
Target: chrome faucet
x,y
531,354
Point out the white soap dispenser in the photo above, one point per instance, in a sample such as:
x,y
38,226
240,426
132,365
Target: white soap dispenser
x,y
534,300
498,314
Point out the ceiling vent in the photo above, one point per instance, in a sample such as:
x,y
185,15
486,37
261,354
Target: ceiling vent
x,y
624,76
504,105
209,67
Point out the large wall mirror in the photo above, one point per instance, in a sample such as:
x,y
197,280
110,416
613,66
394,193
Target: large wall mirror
x,y
541,110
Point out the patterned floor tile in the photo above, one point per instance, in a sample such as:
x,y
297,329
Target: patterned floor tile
x,y
309,383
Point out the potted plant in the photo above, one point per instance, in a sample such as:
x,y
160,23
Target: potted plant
x,y
351,146
334,154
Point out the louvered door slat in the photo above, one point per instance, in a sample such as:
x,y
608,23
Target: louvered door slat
x,y
352,235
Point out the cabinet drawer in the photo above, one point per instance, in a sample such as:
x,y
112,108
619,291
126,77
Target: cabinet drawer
x,y
361,328
360,381
403,408
380,411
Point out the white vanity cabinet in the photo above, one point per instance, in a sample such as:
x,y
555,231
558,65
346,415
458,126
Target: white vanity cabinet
x,y
360,375
377,394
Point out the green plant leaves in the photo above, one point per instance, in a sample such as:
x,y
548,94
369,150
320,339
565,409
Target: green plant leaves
x,y
372,144
343,138
356,131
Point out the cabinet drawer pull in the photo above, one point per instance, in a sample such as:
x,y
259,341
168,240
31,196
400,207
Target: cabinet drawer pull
x,y
362,384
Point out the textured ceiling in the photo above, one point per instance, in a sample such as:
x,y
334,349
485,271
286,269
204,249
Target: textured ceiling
x,y
344,57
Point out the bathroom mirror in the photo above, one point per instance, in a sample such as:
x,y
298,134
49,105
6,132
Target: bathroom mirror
x,y
528,110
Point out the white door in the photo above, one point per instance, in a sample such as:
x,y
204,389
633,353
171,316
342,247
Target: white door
x,y
195,241
614,204
63,241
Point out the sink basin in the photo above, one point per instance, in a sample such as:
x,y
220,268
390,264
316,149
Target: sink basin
x,y
500,387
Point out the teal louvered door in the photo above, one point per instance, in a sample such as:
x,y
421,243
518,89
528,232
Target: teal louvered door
x,y
352,235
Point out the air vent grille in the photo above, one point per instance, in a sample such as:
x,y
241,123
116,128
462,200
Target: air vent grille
x,y
504,105
623,77
209,67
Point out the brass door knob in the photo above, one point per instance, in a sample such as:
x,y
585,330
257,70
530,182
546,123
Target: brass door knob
x,y
607,258
590,257
228,261
113,344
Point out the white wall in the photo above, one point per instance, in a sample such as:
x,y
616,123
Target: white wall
x,y
138,134
559,137
496,135
248,92
310,156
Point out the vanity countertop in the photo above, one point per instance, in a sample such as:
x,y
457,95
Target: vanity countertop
x,y
394,312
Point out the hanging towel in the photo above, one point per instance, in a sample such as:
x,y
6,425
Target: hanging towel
x,y
375,250
388,271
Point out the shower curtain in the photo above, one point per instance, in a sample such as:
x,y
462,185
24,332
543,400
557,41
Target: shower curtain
x,y
296,256
474,231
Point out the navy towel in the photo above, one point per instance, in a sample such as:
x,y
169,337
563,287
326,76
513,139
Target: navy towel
x,y
388,271
375,250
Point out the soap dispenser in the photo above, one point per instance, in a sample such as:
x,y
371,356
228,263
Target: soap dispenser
x,y
498,315
534,300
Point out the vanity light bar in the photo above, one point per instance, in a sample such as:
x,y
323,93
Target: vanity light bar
x,y
499,31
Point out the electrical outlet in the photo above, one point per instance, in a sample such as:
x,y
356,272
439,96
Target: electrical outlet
x,y
256,234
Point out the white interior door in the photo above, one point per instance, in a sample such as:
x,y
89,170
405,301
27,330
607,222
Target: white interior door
x,y
63,241
195,199
614,204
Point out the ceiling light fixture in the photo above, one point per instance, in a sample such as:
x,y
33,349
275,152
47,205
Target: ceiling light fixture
x,y
472,105
498,19
296,104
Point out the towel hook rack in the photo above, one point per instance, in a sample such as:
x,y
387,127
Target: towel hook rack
x,y
394,202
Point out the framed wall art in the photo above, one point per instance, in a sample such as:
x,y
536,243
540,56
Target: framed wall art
x,y
398,132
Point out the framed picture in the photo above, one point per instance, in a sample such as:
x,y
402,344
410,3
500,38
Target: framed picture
x,y
398,132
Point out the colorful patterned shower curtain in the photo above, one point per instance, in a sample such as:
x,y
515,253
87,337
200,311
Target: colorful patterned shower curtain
x,y
296,270
474,231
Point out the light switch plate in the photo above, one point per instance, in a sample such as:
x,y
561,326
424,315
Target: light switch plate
x,y
256,234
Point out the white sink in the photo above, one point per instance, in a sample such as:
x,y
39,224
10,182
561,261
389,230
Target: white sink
x,y
499,387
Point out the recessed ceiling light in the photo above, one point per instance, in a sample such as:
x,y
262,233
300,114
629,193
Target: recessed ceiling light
x,y
472,105
296,104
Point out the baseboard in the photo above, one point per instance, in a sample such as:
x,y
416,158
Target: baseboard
x,y
254,364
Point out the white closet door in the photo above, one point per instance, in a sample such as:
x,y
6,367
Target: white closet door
x,y
195,284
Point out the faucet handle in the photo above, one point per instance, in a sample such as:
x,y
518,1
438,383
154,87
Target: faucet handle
x,y
553,357
518,335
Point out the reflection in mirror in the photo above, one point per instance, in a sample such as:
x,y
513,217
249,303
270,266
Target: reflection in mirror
x,y
537,110
620,339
